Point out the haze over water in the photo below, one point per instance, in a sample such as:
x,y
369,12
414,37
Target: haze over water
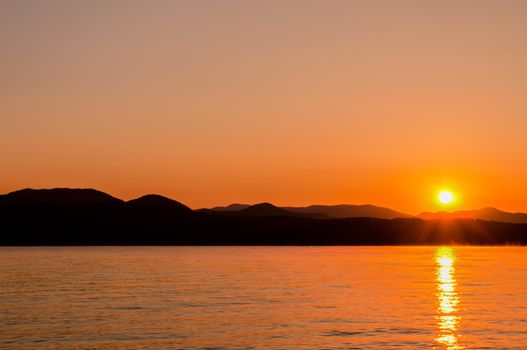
x,y
263,297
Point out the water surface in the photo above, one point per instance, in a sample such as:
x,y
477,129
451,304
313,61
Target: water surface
x,y
263,297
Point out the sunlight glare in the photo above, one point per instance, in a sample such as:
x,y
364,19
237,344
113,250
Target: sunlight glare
x,y
447,298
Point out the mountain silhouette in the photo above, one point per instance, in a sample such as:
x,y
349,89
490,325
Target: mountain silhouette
x,y
327,211
90,217
350,211
232,207
263,209
157,202
268,209
258,210
489,214
59,197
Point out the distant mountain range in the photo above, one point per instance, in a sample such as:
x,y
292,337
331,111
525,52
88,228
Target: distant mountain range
x,y
232,207
89,197
489,214
317,211
369,211
87,216
350,211
259,210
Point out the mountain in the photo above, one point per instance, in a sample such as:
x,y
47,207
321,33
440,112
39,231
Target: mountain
x,y
268,209
232,207
158,203
58,197
350,211
263,210
324,211
90,217
489,214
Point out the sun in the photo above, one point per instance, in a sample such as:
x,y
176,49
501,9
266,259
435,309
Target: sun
x,y
445,197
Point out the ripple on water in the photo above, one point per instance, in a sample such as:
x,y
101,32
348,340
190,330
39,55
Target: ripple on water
x,y
263,298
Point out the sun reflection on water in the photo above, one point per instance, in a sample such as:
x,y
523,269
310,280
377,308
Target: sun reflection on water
x,y
447,299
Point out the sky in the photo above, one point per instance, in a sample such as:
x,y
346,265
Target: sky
x,y
289,102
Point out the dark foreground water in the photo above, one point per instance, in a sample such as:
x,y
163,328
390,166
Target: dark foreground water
x,y
263,298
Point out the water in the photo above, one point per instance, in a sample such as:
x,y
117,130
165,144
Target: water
x,y
263,298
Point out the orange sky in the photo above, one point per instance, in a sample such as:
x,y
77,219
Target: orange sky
x,y
292,102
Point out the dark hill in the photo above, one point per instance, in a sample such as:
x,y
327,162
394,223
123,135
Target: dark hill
x,y
268,210
157,202
232,207
264,209
350,211
258,210
156,215
58,197
488,214
340,211
90,217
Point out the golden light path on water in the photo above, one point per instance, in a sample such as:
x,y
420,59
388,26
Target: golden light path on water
x,y
447,299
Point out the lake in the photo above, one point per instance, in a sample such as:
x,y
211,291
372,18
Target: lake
x,y
263,297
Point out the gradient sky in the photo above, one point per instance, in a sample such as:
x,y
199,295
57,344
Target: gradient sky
x,y
292,102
